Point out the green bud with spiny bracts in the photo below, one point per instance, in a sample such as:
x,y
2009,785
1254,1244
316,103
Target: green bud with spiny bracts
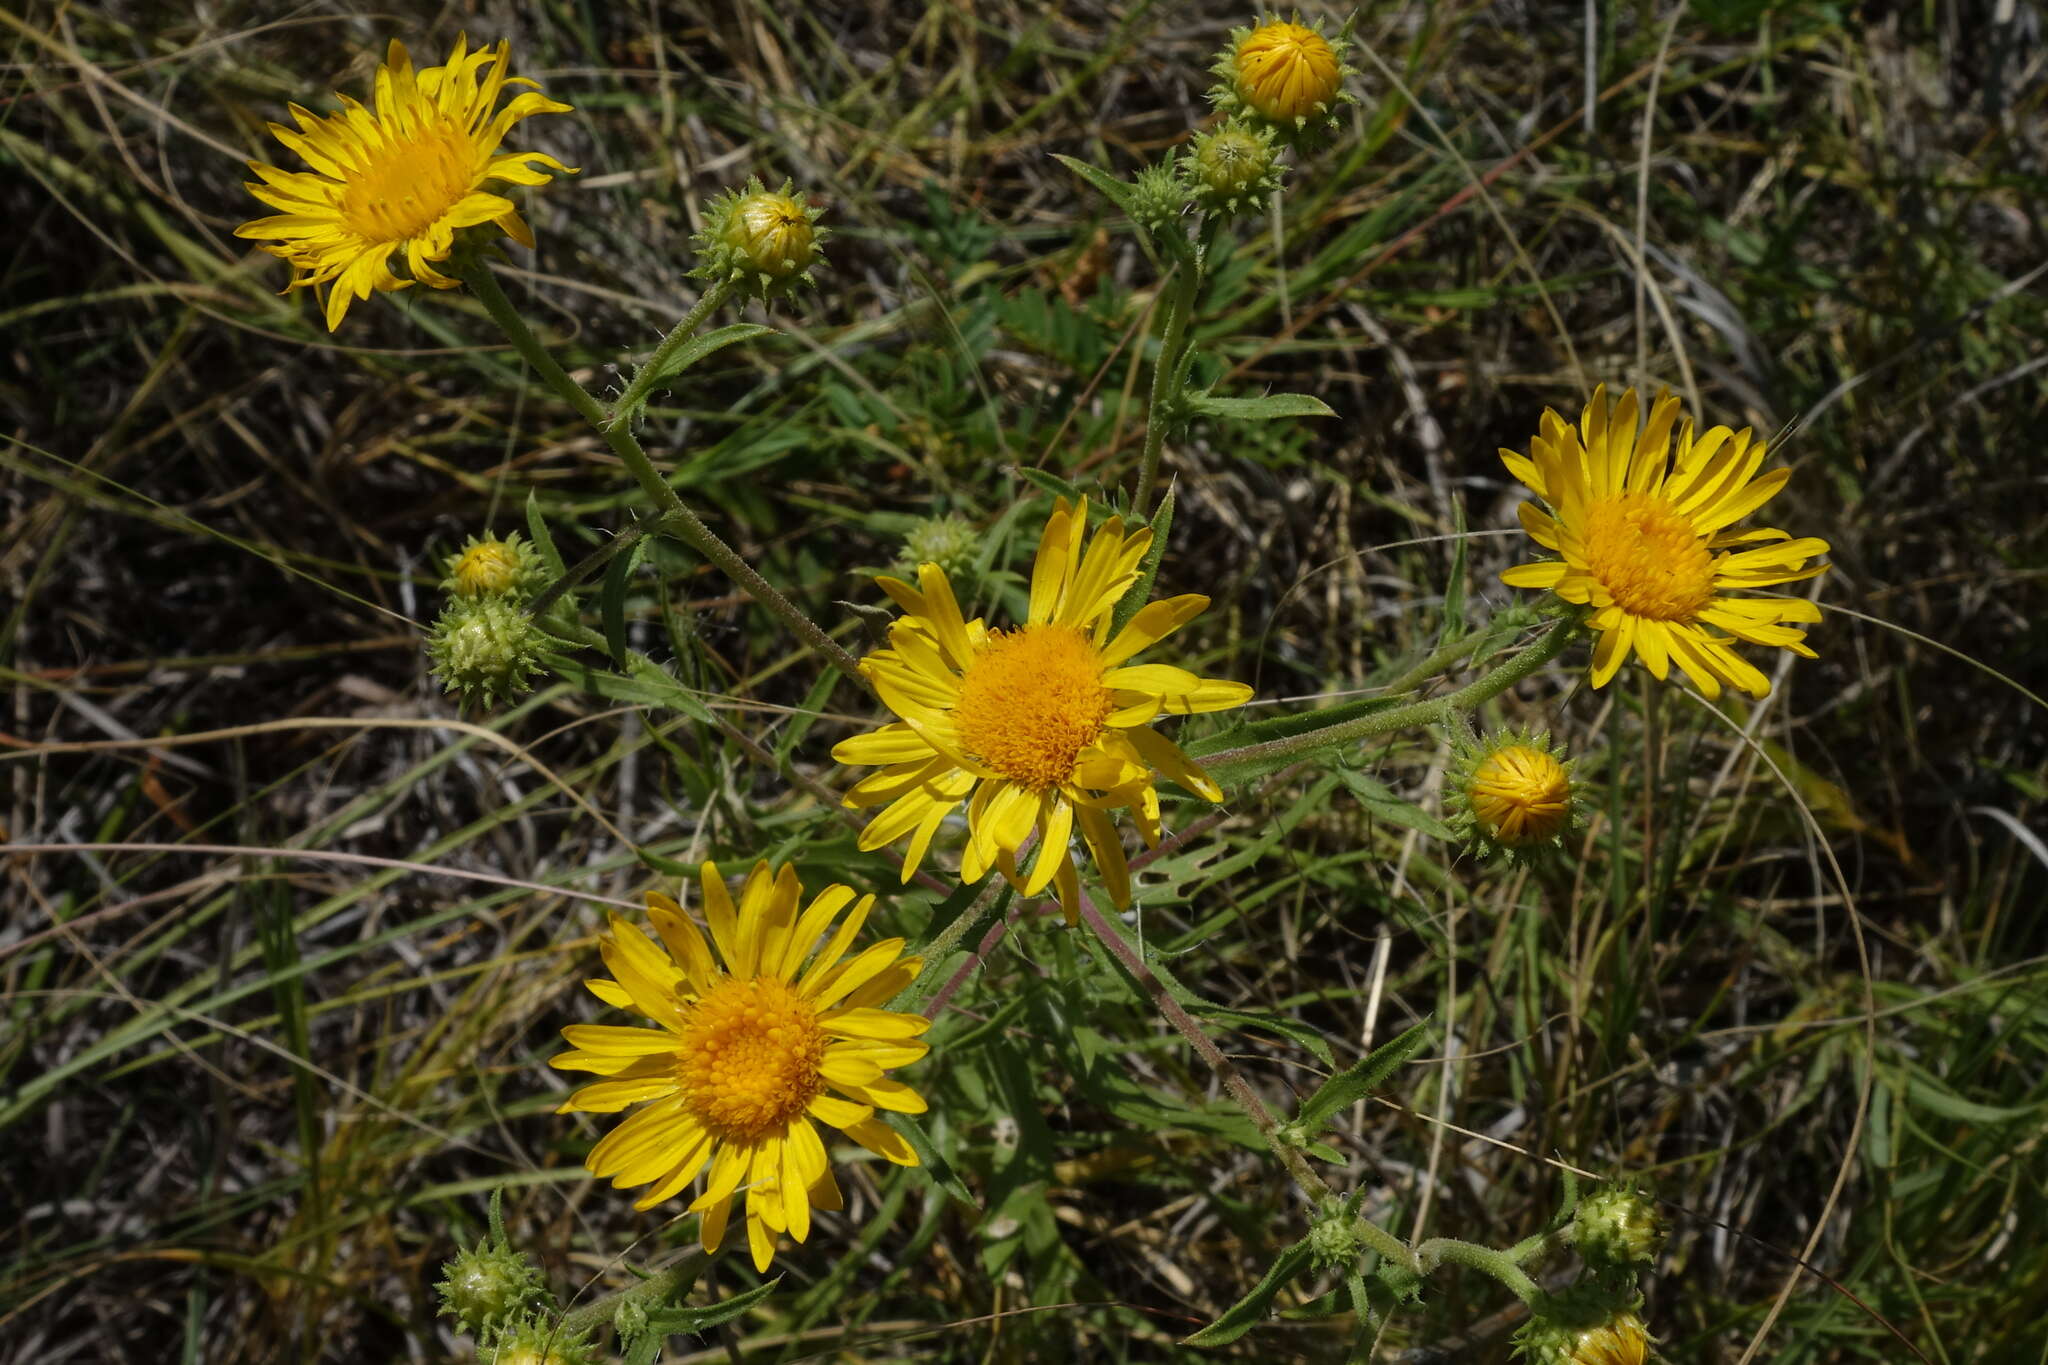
x,y
1617,1230
536,1341
485,647
1158,196
1233,167
488,1286
949,542
1333,1238
762,241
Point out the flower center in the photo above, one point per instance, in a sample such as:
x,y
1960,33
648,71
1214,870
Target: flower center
x,y
748,1060
1031,700
1285,70
1648,557
411,180
1520,794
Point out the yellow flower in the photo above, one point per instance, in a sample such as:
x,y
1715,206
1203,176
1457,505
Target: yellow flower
x,y
404,177
1285,72
1039,728
750,1056
1645,541
1619,1341
1519,795
1576,1332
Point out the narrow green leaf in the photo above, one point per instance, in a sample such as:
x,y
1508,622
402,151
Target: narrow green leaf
x,y
1262,409
537,528
936,1166
1305,1035
1923,1093
1380,800
696,348
1355,1082
612,601
1051,483
696,1321
807,715
667,867
1249,1311
671,692
1454,590
1118,192
1141,591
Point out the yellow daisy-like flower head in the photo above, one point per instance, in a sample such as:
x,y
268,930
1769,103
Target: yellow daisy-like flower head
x,y
1644,534
1580,1331
1619,1341
1039,728
755,1047
405,176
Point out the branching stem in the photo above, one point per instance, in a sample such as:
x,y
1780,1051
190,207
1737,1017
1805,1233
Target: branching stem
x,y
675,516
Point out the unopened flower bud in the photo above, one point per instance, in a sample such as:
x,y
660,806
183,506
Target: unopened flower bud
x,y
485,646
1233,167
1333,1238
487,1286
1511,792
949,542
1285,75
537,1341
763,240
1614,1338
1158,196
490,567
1617,1229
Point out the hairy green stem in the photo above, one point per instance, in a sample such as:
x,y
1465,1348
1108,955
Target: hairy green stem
x,y
1312,1184
1499,1264
1180,303
975,918
1527,661
648,375
619,436
665,1285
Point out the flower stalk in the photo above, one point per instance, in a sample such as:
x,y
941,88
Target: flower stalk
x,y
666,1286
648,375
1434,712
675,515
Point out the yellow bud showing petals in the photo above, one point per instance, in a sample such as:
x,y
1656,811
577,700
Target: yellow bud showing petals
x,y
772,233
1285,71
1283,75
764,241
492,568
1511,792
